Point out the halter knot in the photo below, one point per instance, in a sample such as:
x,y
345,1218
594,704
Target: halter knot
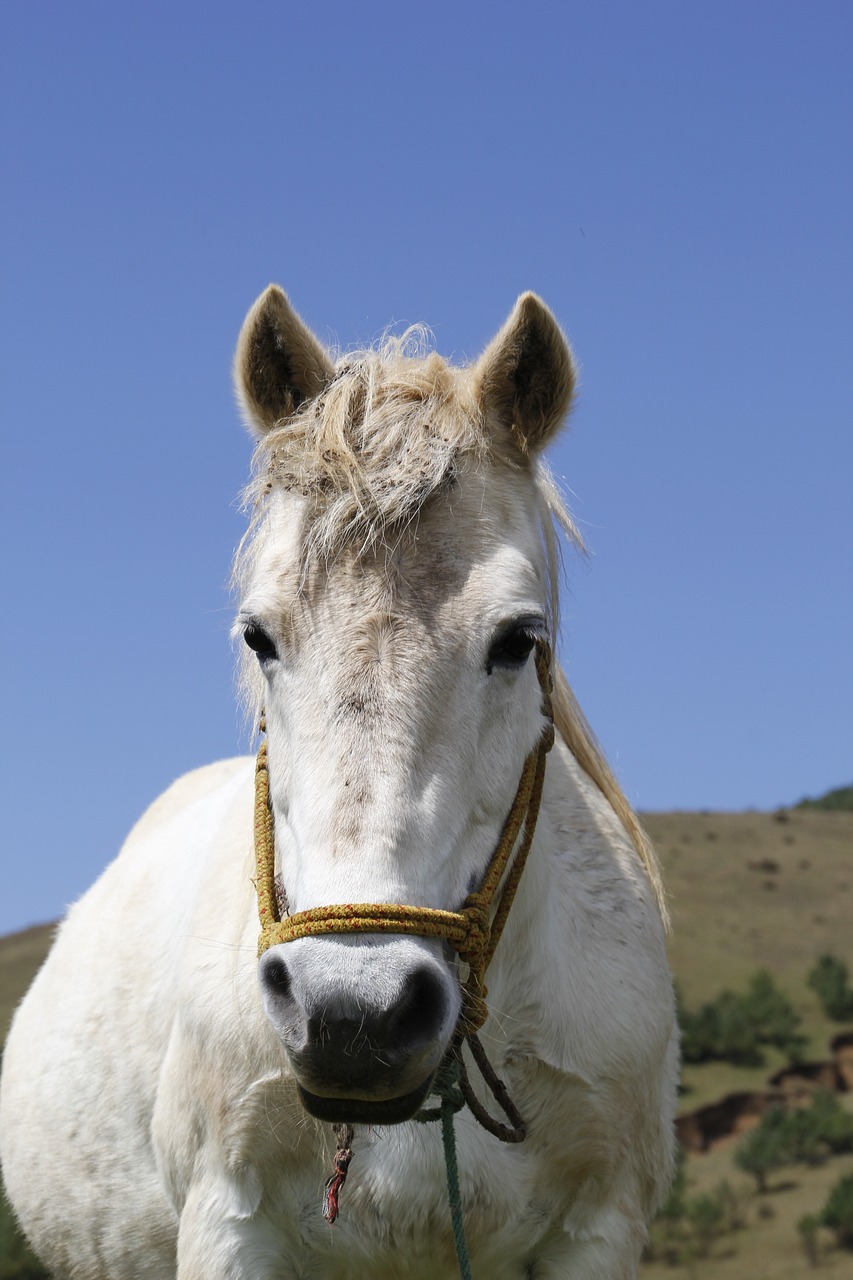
x,y
472,948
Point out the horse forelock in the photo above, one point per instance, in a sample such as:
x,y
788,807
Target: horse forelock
x,y
387,433
390,433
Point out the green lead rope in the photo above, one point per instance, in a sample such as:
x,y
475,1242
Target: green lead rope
x,y
453,1195
447,1088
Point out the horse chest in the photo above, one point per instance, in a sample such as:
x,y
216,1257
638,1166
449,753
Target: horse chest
x,y
394,1218
402,1231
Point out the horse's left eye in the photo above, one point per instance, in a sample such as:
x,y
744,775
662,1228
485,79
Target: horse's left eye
x,y
511,647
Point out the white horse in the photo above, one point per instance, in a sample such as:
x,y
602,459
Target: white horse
x,y
161,1087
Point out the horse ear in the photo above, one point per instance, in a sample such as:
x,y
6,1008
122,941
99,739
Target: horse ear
x,y
278,362
526,375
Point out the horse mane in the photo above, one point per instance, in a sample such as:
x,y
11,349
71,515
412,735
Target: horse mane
x,y
390,431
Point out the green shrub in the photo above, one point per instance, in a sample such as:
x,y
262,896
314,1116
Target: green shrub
x,y
733,1028
838,798
827,1122
731,1204
687,1226
808,1229
828,979
773,1015
806,1135
720,1030
838,1211
766,1148
705,1213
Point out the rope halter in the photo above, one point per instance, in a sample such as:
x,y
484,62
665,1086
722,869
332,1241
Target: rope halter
x,y
473,932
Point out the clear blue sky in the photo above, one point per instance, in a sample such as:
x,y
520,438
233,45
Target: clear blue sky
x,y
673,178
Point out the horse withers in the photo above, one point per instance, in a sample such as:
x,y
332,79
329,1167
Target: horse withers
x,y
168,1098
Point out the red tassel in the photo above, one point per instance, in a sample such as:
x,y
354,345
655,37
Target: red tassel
x,y
343,1155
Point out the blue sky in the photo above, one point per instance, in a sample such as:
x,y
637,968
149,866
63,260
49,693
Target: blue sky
x,y
672,178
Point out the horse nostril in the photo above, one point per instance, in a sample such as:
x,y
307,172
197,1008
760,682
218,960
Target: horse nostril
x,y
419,1014
276,979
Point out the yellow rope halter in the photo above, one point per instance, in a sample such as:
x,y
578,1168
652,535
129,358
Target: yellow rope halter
x,y
470,931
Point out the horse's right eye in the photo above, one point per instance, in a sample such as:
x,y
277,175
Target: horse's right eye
x,y
258,640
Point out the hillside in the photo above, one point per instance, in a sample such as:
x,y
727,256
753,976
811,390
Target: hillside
x,y
749,891
755,889
21,955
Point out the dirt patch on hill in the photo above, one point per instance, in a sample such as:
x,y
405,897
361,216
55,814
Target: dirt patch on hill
x,y
704,1128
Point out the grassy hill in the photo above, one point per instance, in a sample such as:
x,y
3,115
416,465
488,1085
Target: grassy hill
x,y
21,955
747,891
750,891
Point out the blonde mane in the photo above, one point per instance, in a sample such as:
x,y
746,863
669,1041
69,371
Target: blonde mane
x,y
389,433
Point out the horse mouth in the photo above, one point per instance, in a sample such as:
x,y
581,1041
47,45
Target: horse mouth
x,y
369,1111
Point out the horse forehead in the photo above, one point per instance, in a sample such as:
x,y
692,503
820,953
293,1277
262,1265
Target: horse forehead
x,y
430,582
465,552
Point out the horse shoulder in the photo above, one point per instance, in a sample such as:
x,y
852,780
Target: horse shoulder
x,y
86,1050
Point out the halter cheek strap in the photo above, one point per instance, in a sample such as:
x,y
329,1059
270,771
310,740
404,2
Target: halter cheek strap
x,y
473,932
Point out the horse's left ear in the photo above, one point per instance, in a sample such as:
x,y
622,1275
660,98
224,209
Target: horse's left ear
x,y
526,375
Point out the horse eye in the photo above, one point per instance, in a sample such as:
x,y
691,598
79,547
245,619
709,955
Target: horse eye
x,y
511,647
256,638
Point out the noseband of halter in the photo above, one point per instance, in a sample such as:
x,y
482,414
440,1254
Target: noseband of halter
x,y
473,932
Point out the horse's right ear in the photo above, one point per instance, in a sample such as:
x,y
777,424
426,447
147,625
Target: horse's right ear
x,y
278,362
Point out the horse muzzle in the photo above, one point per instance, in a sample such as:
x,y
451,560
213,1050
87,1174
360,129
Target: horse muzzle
x,y
365,1043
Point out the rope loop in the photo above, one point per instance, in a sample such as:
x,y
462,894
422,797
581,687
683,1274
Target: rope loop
x,y
473,947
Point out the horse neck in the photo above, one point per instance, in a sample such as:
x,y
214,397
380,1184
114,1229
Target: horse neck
x,y
580,845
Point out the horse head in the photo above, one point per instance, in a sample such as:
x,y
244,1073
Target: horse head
x,y
396,580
